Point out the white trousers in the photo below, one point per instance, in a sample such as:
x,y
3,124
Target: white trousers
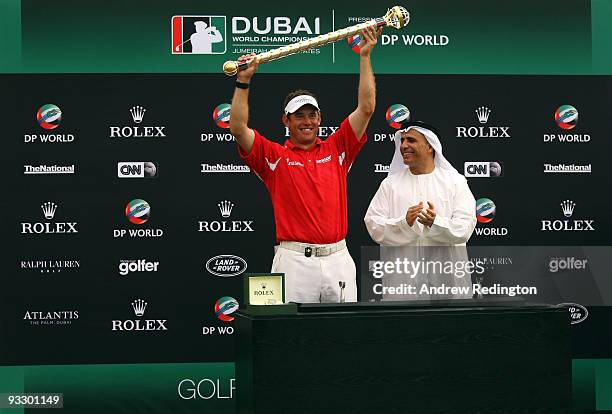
x,y
316,279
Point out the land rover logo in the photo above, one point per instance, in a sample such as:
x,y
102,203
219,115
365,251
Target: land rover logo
x,y
578,313
226,265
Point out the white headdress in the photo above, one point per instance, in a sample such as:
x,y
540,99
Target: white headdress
x,y
397,162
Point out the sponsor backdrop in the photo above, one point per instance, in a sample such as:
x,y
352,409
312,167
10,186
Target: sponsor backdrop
x,y
136,217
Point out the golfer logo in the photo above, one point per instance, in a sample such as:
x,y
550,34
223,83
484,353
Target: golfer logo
x,y
198,35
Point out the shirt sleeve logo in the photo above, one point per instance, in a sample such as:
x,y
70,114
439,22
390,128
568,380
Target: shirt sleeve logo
x,y
272,165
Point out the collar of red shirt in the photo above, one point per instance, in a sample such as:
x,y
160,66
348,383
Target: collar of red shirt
x,y
291,146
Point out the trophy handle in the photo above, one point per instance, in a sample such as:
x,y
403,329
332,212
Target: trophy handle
x,y
396,17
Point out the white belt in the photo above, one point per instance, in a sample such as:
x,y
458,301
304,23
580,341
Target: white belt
x,y
317,250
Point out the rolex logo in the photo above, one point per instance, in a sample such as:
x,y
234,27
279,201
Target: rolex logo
x,y
567,207
483,114
137,113
226,208
139,325
139,306
263,285
48,209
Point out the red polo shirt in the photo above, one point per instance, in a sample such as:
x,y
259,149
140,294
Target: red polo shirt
x,y
307,187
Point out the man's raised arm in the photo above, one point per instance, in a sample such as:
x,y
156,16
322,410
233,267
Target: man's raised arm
x,y
366,100
239,114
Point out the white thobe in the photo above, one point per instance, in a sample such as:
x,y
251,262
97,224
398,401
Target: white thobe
x,y
453,225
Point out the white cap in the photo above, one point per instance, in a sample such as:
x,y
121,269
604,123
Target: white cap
x,y
299,101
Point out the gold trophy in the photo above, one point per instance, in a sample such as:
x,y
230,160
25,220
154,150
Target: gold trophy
x,y
396,17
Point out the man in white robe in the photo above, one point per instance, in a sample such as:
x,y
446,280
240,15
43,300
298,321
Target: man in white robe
x,y
423,212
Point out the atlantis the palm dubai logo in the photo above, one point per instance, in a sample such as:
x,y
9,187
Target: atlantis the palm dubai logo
x,y
138,211
396,115
198,35
49,116
221,115
224,308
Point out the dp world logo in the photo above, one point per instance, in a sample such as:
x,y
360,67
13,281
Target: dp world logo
x,y
221,115
224,307
353,42
138,211
396,115
198,35
566,116
485,210
49,116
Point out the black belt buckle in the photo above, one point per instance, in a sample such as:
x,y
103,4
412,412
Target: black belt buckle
x,y
308,251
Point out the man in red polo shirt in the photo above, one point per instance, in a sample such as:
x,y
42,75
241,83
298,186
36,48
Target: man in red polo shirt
x,y
306,179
